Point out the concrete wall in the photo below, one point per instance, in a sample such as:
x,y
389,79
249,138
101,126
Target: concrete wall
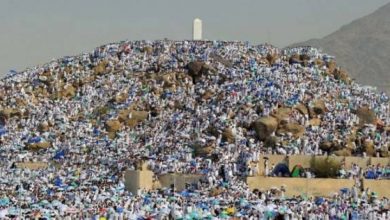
x,y
136,180
382,187
360,161
377,160
179,180
301,186
305,160
32,165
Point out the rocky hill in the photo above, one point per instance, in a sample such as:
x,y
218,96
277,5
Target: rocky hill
x,y
168,97
362,48
190,107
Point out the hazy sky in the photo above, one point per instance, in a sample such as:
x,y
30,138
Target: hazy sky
x,y
35,31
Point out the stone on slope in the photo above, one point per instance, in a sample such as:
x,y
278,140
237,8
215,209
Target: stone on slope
x,y
295,129
113,125
366,115
228,136
265,126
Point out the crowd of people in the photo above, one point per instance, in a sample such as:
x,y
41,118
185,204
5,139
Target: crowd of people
x,y
81,116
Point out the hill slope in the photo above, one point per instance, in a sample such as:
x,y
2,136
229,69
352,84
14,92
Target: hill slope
x,y
363,48
209,108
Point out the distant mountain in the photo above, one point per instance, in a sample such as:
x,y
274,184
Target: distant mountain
x,y
363,48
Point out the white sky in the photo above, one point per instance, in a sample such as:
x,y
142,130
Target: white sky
x,y
36,31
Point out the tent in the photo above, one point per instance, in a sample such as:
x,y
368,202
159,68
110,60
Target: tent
x,y
2,131
371,175
59,155
34,140
297,171
281,170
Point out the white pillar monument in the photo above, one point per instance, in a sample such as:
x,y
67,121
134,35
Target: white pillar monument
x,y
197,29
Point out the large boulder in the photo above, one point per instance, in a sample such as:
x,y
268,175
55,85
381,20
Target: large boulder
x,y
295,59
68,91
326,146
44,126
148,50
202,151
228,136
9,113
271,58
366,115
265,126
121,97
195,68
214,192
100,68
39,146
342,75
207,95
131,117
295,129
282,114
271,142
369,148
384,152
331,66
113,125
319,62
318,106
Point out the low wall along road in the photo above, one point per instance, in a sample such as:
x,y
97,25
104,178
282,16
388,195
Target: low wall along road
x,y
145,179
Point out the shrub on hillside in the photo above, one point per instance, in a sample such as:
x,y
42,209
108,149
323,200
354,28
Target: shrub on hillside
x,y
326,167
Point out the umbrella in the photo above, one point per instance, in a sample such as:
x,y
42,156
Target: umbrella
x,y
4,201
44,202
56,203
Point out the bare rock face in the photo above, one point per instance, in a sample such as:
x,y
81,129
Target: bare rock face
x,y
265,126
362,47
